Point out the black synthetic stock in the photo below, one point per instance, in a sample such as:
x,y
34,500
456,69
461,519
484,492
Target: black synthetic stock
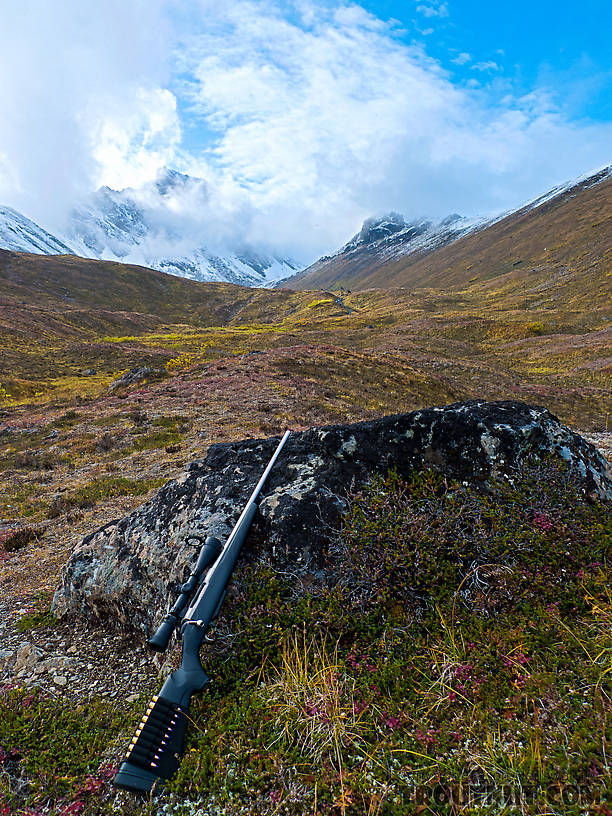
x,y
190,677
155,751
159,740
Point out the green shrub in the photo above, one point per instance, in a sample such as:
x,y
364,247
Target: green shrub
x,y
38,615
21,538
50,752
36,460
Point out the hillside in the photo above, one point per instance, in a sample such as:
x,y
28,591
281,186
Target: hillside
x,y
80,448
559,247
68,326
56,313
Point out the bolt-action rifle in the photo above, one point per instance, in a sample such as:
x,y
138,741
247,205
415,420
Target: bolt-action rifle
x,y
155,751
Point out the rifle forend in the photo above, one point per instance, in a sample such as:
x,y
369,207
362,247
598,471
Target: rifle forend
x,y
158,743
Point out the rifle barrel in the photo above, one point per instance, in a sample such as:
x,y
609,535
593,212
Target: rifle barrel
x,y
224,564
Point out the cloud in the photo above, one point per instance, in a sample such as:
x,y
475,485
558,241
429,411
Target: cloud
x,y
328,123
486,66
303,117
440,10
69,69
131,141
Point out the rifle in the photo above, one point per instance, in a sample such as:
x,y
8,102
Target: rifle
x,y
155,751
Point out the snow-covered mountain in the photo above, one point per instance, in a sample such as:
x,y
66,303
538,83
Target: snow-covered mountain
x,y
19,234
172,224
391,235
379,241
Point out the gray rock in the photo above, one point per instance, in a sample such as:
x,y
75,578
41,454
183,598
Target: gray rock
x,y
6,657
136,375
128,569
27,657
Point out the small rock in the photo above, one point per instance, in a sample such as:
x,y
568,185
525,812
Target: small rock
x,y
27,657
65,661
5,658
88,372
72,650
51,663
137,375
53,435
60,680
133,697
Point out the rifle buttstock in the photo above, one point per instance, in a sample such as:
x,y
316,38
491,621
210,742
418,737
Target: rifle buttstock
x,y
156,748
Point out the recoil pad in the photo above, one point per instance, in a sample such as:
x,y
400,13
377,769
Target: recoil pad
x,y
156,748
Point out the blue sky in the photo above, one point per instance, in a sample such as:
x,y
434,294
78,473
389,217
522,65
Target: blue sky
x,y
304,117
562,46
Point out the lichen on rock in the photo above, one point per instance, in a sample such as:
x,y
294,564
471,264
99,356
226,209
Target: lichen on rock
x,y
128,569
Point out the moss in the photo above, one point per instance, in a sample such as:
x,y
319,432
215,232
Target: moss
x,y
157,439
38,615
50,752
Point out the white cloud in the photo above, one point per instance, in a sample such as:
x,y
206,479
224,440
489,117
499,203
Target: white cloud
x,y
324,125
486,66
315,115
440,10
130,143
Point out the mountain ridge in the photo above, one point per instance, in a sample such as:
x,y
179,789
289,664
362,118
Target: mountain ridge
x,y
20,234
426,255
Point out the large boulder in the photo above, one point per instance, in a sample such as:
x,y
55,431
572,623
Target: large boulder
x,y
128,569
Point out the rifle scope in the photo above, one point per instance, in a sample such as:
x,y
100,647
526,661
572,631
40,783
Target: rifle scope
x,y
208,554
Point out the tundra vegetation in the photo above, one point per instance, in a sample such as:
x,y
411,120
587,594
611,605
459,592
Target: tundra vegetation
x,y
460,660
467,639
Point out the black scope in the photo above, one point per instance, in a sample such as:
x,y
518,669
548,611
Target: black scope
x,y
209,553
